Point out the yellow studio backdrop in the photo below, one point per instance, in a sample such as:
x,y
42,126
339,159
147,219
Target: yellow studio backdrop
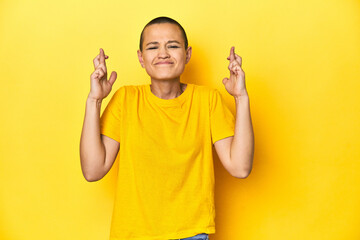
x,y
302,66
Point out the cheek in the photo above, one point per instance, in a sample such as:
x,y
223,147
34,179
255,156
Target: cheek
x,y
182,58
146,59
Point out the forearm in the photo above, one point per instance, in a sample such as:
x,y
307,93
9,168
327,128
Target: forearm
x,y
92,150
242,146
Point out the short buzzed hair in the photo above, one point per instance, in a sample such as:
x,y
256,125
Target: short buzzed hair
x,y
163,20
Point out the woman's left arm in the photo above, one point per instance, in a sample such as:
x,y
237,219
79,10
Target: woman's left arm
x,y
239,149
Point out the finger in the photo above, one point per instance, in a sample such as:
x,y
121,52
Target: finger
x,y
238,59
236,67
103,67
112,77
99,73
96,61
232,53
95,76
232,66
225,80
102,57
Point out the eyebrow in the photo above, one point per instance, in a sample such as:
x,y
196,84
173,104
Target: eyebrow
x,y
171,41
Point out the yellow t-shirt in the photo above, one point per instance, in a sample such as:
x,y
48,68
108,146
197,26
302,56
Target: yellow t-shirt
x,y
165,186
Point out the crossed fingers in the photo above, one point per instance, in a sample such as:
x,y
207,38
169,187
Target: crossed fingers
x,y
99,61
235,62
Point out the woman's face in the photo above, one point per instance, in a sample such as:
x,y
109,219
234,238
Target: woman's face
x,y
164,55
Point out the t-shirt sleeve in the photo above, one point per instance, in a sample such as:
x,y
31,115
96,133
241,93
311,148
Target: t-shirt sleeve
x,y
222,121
110,121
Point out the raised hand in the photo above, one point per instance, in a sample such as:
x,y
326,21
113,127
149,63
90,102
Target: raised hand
x,y
100,86
235,85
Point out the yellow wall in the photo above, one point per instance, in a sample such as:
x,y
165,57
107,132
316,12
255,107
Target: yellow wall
x,y
302,65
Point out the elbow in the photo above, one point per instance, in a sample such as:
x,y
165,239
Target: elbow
x,y
244,173
90,178
90,168
244,169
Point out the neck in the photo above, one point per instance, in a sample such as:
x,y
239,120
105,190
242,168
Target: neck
x,y
167,89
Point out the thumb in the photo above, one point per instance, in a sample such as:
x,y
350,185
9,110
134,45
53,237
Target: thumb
x,y
112,77
225,80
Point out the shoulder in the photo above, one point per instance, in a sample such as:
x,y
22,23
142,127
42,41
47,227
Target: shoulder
x,y
129,90
211,93
201,89
125,94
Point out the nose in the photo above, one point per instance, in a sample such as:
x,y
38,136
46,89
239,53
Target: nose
x,y
163,52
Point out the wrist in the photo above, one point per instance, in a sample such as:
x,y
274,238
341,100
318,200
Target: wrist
x,y
243,95
91,100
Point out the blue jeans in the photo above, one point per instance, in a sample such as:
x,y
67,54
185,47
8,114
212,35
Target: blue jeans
x,y
201,236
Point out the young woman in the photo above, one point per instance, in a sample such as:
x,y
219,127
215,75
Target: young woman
x,y
162,134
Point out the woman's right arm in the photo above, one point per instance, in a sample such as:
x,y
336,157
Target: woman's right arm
x,y
97,152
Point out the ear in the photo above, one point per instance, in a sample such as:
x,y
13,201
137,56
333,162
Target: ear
x,y
188,54
139,53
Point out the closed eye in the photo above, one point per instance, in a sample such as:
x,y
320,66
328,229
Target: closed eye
x,y
173,46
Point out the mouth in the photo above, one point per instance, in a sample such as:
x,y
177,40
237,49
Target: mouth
x,y
163,63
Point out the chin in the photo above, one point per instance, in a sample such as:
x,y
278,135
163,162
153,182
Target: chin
x,y
165,77
164,74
